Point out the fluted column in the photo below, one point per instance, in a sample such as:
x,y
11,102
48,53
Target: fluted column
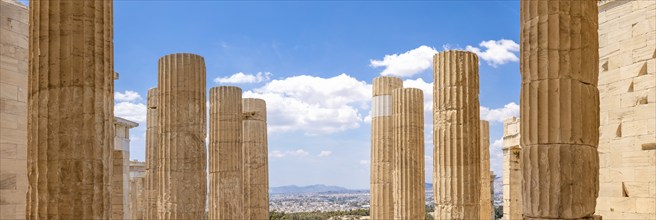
x,y
226,160
381,203
256,163
182,131
408,147
70,109
559,108
456,173
486,205
152,171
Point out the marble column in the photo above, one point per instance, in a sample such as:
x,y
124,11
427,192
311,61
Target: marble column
x,y
152,160
256,163
70,109
457,164
408,187
182,132
559,106
382,205
486,205
226,160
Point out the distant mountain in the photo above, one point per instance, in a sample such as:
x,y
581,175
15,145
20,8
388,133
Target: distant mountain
x,y
319,188
428,187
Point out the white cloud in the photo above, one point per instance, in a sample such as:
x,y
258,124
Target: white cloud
x,y
325,153
241,77
364,162
128,107
314,105
296,153
500,114
127,96
496,52
406,64
498,143
131,111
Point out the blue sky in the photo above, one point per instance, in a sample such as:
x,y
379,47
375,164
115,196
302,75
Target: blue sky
x,y
314,62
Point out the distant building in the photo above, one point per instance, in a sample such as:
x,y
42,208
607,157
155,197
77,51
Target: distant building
x,y
120,175
137,192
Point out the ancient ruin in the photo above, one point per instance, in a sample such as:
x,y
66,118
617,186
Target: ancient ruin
x,y
152,181
381,203
255,155
226,199
512,176
559,109
70,74
121,167
456,171
13,109
137,194
627,90
486,204
408,149
182,131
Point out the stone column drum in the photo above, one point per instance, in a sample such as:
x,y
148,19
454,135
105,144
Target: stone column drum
x,y
182,131
226,160
152,160
382,205
408,160
256,163
512,175
70,110
486,205
457,164
559,108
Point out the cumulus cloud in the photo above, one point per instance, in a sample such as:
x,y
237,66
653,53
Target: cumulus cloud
x,y
325,153
496,53
500,114
406,64
313,104
127,106
498,143
127,96
296,153
241,77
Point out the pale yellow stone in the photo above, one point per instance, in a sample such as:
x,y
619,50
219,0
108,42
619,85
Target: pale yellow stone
x,y
182,131
152,181
560,107
71,81
512,176
226,160
486,182
408,147
381,203
457,151
255,153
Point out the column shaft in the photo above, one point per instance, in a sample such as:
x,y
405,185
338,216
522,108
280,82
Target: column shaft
x,y
382,206
226,159
559,108
486,205
408,185
182,131
456,173
256,164
70,110
152,160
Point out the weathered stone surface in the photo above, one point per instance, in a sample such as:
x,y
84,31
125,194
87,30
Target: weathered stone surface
x,y
512,176
121,167
13,120
137,196
182,132
486,199
226,160
627,106
456,173
381,203
408,148
256,162
152,181
70,119
559,108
